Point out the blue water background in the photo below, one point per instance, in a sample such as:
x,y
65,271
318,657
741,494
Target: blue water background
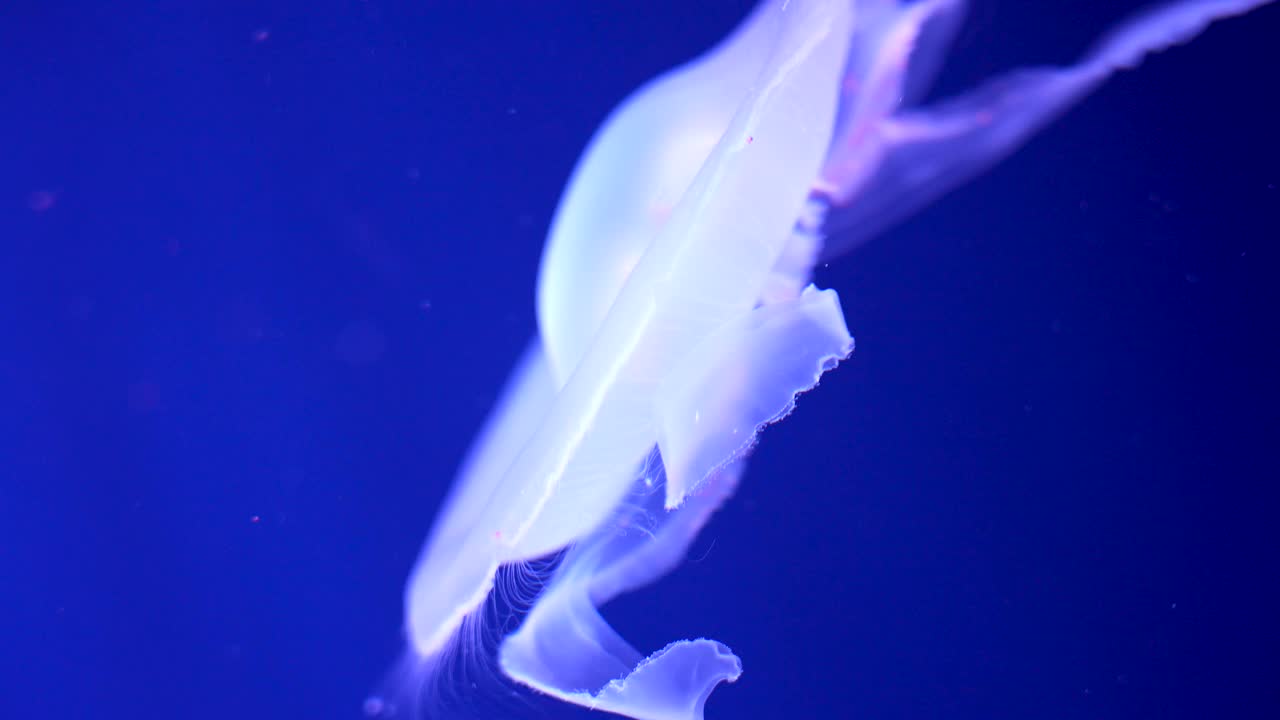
x,y
264,265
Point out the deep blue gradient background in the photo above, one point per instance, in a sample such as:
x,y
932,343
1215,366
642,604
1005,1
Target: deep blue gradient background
x,y
264,266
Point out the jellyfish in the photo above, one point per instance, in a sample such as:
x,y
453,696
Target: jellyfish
x,y
677,317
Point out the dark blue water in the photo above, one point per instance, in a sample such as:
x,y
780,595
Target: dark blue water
x,y
263,267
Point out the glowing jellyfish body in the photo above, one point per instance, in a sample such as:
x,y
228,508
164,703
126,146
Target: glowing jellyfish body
x,y
675,312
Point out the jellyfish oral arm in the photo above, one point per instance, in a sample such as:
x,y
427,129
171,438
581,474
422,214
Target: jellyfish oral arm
x,y
890,158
